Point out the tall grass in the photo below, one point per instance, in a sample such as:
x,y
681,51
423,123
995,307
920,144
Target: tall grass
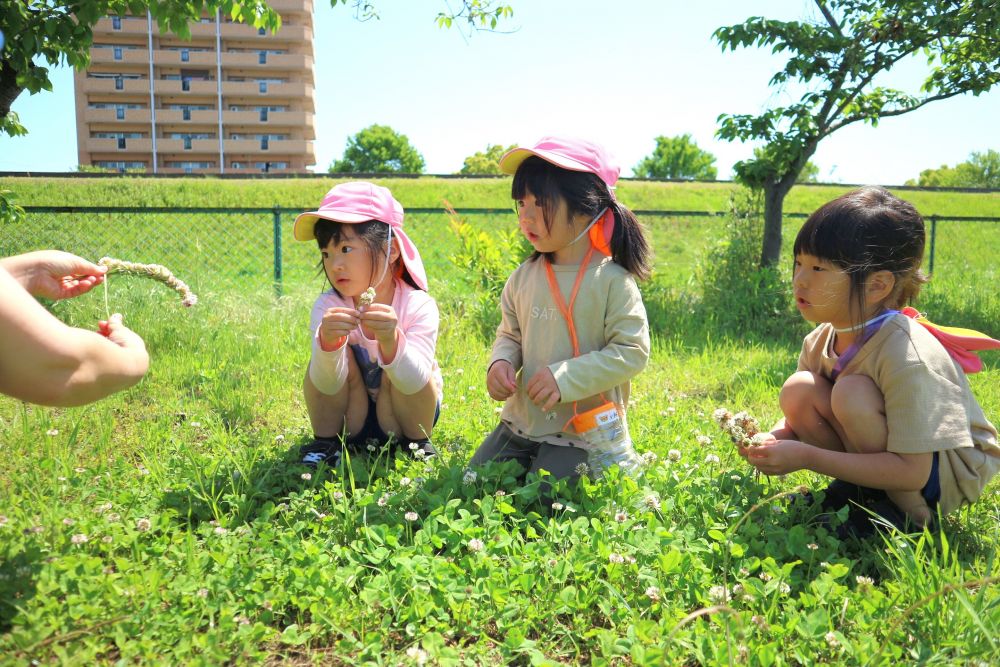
x,y
171,523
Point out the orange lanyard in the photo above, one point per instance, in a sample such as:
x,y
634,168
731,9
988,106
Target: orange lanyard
x,y
567,310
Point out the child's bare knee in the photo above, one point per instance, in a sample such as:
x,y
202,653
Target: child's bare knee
x,y
856,396
799,392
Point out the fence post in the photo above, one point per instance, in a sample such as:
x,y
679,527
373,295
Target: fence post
x,y
930,266
277,251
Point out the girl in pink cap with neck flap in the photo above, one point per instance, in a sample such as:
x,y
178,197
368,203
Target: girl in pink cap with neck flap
x,y
373,380
573,330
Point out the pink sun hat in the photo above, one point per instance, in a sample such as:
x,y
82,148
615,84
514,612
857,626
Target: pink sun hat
x,y
568,153
360,201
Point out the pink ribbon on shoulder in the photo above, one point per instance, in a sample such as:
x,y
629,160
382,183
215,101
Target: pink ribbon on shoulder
x,y
962,344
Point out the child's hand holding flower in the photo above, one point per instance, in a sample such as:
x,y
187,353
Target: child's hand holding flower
x,y
336,325
501,380
780,457
381,320
543,390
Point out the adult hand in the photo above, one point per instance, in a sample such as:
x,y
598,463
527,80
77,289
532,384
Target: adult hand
x,y
501,380
55,274
780,457
114,330
543,390
337,323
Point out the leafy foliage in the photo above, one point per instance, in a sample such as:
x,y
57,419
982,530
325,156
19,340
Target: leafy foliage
x,y
981,170
485,162
837,60
677,157
379,149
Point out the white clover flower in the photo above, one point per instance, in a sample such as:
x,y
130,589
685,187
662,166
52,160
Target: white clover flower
x,y
52,432
649,458
711,458
582,469
338,495
142,470
703,440
616,558
78,469
475,544
383,500
759,439
718,594
103,507
759,621
279,438
674,455
500,493
79,538
241,620
570,508
663,413
404,481
735,478
202,593
831,640
812,546
652,501
414,446
459,371
864,582
653,593
764,576
107,539
498,410
3,520
557,506
411,516
307,476
113,517
417,654
61,478
68,522
370,447
142,525
469,477
219,530
552,562
721,415
784,588
621,516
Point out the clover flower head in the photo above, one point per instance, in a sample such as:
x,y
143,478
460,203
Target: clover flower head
x,y
703,440
616,558
307,476
52,432
469,477
831,640
718,594
621,516
653,593
476,544
405,481
142,525
864,582
417,654
652,501
411,516
711,458
582,469
79,538
367,297
383,500
674,455
338,495
219,530
202,593
649,458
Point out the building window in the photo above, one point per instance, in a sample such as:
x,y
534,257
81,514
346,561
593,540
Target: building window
x,y
262,58
187,143
116,23
119,83
263,115
120,113
121,143
186,85
263,143
185,55
118,53
186,114
263,87
261,31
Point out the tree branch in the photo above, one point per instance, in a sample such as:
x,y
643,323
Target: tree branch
x,y
895,112
829,17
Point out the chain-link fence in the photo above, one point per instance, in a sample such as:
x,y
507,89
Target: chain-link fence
x,y
250,249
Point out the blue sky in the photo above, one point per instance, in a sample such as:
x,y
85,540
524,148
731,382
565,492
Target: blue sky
x,y
615,72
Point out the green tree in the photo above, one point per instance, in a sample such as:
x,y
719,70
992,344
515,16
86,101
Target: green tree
x,y
677,157
487,162
809,173
981,170
379,149
54,32
838,60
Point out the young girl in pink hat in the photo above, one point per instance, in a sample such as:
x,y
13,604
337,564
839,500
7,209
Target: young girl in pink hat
x,y
573,331
373,379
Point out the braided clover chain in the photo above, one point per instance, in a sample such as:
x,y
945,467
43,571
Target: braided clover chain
x,y
154,271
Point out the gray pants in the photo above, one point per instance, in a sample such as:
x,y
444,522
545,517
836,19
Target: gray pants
x,y
504,445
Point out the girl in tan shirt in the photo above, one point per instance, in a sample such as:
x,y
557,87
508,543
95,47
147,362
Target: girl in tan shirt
x,y
877,402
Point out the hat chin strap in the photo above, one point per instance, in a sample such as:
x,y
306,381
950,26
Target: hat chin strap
x,y
589,225
388,253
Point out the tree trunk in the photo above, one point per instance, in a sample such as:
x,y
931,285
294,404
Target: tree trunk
x,y
9,90
774,200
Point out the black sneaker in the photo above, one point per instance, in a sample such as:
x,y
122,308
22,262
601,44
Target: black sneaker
x,y
321,451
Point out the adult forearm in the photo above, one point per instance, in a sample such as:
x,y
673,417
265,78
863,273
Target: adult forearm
x,y
93,368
